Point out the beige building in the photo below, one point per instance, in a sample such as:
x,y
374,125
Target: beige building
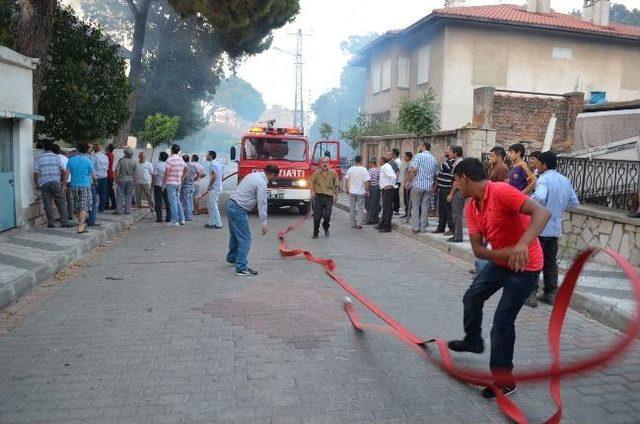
x,y
524,48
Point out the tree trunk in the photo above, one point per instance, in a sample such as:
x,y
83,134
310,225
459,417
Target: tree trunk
x,y
139,31
34,33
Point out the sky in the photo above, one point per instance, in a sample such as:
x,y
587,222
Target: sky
x,y
330,22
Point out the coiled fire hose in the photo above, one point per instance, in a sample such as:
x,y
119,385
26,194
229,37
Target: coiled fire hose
x,y
553,373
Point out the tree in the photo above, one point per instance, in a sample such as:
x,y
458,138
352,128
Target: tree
x,y
420,116
34,31
365,125
159,129
238,95
620,14
84,96
325,131
8,21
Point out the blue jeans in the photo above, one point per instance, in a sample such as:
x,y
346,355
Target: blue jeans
x,y
516,287
240,239
186,197
214,211
103,193
94,206
177,213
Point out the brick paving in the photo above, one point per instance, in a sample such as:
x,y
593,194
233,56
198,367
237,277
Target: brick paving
x,y
158,329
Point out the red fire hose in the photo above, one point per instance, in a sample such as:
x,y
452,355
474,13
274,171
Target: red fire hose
x,y
553,373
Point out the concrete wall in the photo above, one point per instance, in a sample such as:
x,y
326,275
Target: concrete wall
x,y
524,60
16,96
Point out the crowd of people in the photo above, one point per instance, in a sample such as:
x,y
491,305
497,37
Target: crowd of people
x,y
92,181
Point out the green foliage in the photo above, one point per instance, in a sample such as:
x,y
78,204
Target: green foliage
x,y
160,129
325,131
364,125
620,14
241,97
339,107
242,27
420,116
85,88
8,21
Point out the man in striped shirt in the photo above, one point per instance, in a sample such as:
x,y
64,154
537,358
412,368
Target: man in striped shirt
x,y
175,170
445,182
422,178
373,201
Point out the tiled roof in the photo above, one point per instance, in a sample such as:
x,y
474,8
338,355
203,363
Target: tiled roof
x,y
510,13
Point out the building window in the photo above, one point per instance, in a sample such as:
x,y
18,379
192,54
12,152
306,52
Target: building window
x,y
404,64
386,75
562,53
424,60
375,78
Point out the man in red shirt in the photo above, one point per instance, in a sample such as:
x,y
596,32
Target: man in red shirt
x,y
511,223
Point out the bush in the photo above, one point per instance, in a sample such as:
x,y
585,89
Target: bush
x,y
420,116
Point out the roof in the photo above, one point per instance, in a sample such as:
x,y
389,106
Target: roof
x,y
515,15
510,13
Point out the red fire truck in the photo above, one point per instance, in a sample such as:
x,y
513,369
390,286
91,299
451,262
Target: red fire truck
x,y
289,149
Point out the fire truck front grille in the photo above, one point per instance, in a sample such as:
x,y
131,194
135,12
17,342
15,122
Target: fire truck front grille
x,y
280,183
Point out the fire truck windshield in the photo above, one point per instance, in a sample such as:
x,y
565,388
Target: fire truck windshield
x,y
275,149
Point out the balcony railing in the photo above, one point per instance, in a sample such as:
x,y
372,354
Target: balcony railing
x,y
601,182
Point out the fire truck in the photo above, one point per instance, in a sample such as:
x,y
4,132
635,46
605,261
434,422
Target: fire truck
x,y
288,148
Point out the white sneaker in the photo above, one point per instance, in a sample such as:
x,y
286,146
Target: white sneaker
x,y
183,222
173,224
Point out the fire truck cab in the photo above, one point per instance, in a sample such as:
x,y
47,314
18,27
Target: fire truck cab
x,y
287,148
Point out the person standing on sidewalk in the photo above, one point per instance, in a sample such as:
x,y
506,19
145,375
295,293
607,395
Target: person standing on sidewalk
x,y
175,169
556,193
50,176
445,182
81,168
396,164
102,175
520,176
111,177
188,182
325,186
511,223
456,199
93,212
160,193
406,187
388,180
250,193
200,173
498,170
125,181
66,184
144,175
422,177
214,189
357,183
373,201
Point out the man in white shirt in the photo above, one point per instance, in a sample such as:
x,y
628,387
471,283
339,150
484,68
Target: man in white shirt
x,y
388,179
396,164
143,176
357,181
102,170
67,186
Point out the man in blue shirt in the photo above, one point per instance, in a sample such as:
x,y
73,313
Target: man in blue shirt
x,y
251,193
81,168
214,189
555,192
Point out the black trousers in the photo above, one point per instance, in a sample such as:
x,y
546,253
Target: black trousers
x,y
445,216
396,199
550,269
322,206
407,201
387,208
373,205
159,196
112,194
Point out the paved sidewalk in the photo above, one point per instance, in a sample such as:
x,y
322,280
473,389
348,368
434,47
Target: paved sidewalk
x,y
30,256
603,292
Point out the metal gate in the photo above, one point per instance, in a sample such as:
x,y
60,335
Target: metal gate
x,y
7,178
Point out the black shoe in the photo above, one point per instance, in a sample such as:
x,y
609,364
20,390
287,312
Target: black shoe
x,y
488,393
532,300
454,240
549,297
326,232
384,230
315,236
463,346
67,225
448,233
437,232
95,225
634,215
51,225
247,273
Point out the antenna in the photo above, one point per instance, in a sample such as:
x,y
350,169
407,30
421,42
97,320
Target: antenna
x,y
298,110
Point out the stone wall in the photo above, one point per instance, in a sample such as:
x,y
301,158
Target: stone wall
x,y
519,116
589,226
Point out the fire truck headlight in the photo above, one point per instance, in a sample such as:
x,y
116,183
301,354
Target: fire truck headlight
x,y
300,183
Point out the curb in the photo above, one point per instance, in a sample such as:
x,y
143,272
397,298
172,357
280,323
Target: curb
x,y
592,306
33,276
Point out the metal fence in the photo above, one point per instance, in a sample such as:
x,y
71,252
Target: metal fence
x,y
601,182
